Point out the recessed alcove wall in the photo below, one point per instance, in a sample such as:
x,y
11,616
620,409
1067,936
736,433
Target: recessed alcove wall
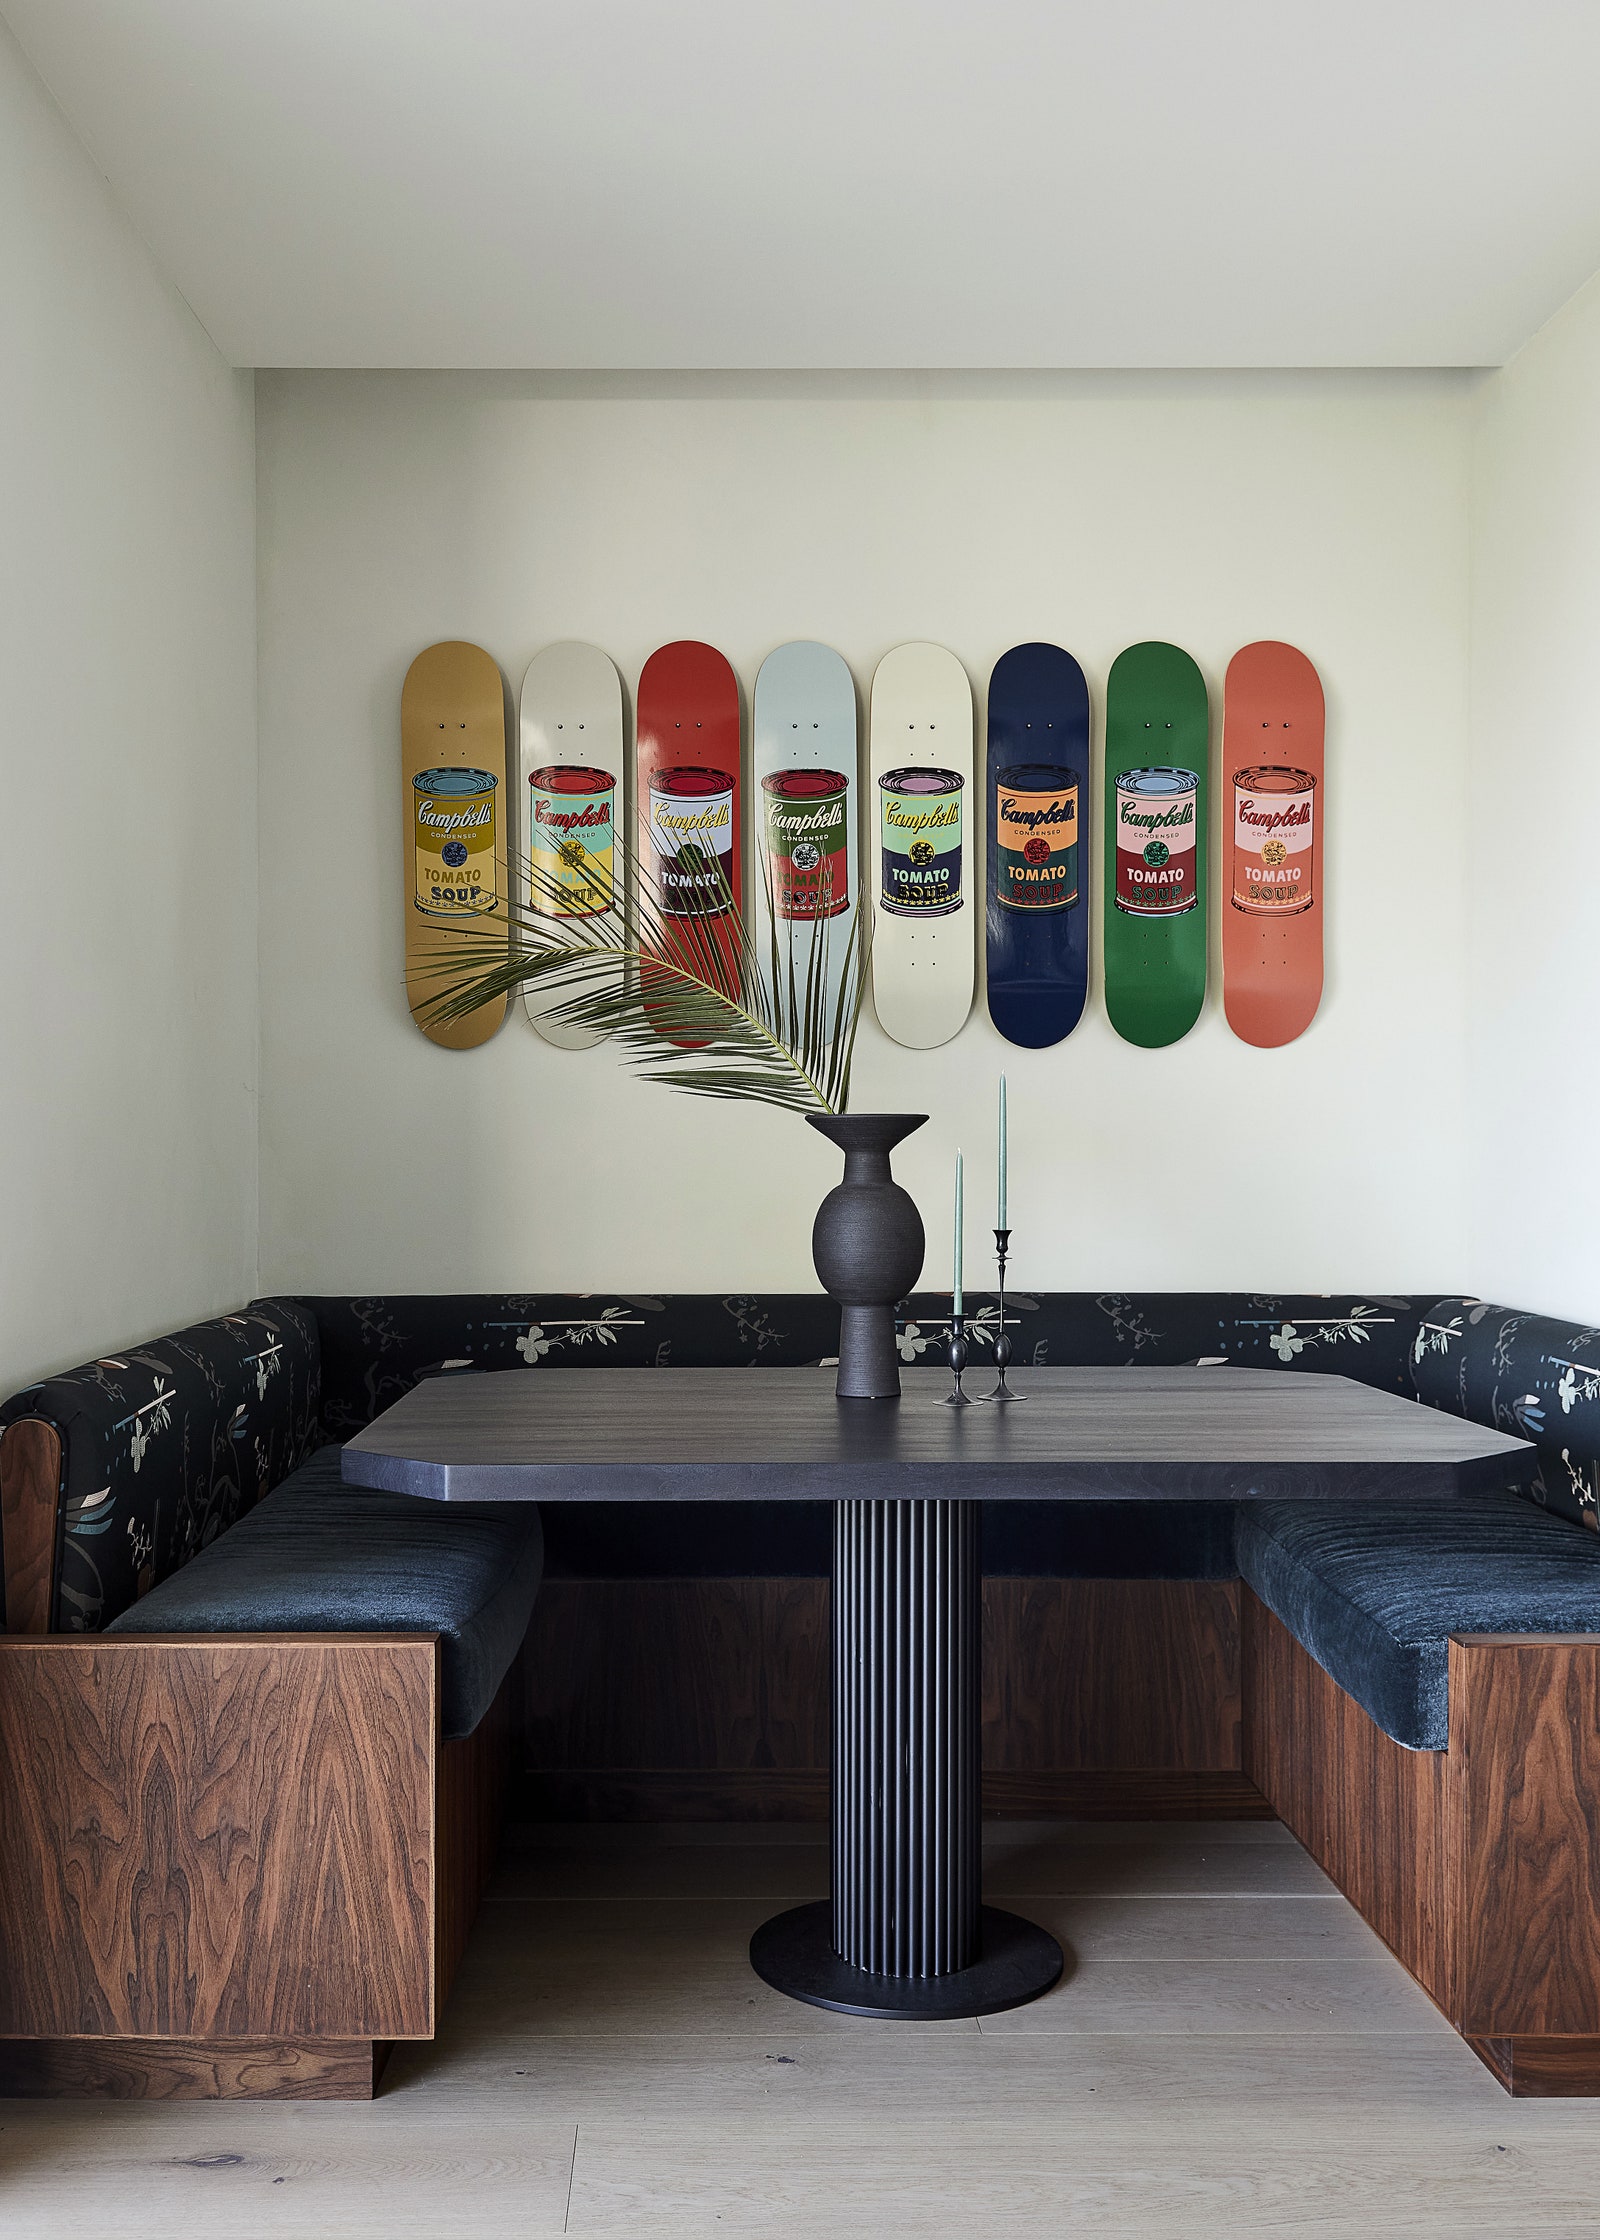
x,y
1326,508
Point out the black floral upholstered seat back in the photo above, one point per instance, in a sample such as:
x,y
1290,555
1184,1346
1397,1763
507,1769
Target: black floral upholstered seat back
x,y
375,1349
166,1445
1527,1374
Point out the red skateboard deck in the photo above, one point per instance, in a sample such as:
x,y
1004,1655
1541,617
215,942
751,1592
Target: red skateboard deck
x,y
1272,747
690,806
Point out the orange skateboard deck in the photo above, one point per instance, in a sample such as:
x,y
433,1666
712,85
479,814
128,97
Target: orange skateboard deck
x,y
1272,746
689,801
453,763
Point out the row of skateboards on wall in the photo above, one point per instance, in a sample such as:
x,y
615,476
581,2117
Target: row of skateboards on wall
x,y
935,862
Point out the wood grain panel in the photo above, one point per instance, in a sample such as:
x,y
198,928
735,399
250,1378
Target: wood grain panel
x,y
30,1500
647,1676
1533,2068
1525,1765
1373,1815
190,2069
1091,1674
469,1806
680,1673
226,1837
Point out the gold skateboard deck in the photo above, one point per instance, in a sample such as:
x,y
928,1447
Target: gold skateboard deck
x,y
457,841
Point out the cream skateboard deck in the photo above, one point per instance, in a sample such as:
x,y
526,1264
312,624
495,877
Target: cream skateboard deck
x,y
572,762
805,787
1272,745
924,846
457,847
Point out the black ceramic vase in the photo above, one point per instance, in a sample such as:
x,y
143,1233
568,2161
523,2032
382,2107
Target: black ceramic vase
x,y
867,1244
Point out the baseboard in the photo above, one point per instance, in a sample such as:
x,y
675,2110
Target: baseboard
x,y
656,1793
190,2068
1532,2068
768,1793
1124,1793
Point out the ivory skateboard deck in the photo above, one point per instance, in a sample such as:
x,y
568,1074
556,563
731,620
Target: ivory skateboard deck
x,y
453,764
689,803
1157,755
1037,884
571,756
805,769
921,825
1272,740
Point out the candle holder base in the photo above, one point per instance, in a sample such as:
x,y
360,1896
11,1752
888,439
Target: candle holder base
x,y
958,1362
1002,1343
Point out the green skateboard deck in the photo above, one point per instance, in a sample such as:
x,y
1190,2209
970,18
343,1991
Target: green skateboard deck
x,y
1157,756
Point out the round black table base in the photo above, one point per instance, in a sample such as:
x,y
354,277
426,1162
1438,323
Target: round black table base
x,y
1016,1962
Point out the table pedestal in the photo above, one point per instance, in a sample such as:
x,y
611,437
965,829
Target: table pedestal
x,y
905,1933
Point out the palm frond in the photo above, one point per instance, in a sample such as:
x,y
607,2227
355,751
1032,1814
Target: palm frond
x,y
688,1001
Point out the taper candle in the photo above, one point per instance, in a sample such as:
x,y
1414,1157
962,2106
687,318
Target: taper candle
x,y
955,1303
1001,1222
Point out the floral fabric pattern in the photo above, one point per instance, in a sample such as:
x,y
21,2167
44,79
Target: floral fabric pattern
x,y
373,1350
166,1445
1527,1374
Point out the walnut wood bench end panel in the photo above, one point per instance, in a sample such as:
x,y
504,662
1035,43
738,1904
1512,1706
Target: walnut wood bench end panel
x,y
218,1837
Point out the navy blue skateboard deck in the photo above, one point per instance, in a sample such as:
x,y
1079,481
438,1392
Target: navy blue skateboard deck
x,y
1037,780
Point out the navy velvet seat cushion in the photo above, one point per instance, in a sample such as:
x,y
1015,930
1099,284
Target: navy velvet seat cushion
x,y
318,1556
1374,1593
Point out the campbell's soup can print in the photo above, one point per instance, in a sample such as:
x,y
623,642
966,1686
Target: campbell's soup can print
x,y
807,813
919,815
1036,829
1156,830
455,826
1274,825
571,840
691,837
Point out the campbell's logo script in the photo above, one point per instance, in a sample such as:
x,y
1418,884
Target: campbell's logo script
x,y
944,819
589,818
454,820
1252,812
1058,812
682,824
799,821
1156,820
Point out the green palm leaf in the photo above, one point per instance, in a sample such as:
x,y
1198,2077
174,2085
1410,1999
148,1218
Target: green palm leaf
x,y
664,992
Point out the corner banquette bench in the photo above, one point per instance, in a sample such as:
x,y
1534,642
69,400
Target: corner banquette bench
x,y
255,1726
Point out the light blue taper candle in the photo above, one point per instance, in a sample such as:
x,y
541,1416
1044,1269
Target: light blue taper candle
x,y
955,1303
1000,1224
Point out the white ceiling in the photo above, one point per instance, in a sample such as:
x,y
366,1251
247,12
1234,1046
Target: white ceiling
x,y
847,183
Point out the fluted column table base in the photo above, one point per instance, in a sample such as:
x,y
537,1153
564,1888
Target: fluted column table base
x,y
905,1933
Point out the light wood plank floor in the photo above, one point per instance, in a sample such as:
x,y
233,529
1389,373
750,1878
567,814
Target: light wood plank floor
x,y
1233,2053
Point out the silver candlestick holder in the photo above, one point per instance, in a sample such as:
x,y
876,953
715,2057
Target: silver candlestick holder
x,y
1002,1343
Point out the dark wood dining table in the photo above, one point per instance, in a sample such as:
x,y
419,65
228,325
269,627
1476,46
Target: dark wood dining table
x,y
905,1933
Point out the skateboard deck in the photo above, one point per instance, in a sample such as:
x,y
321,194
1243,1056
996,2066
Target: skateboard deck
x,y
457,846
805,771
1156,794
690,806
571,754
1037,872
1272,739
921,826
